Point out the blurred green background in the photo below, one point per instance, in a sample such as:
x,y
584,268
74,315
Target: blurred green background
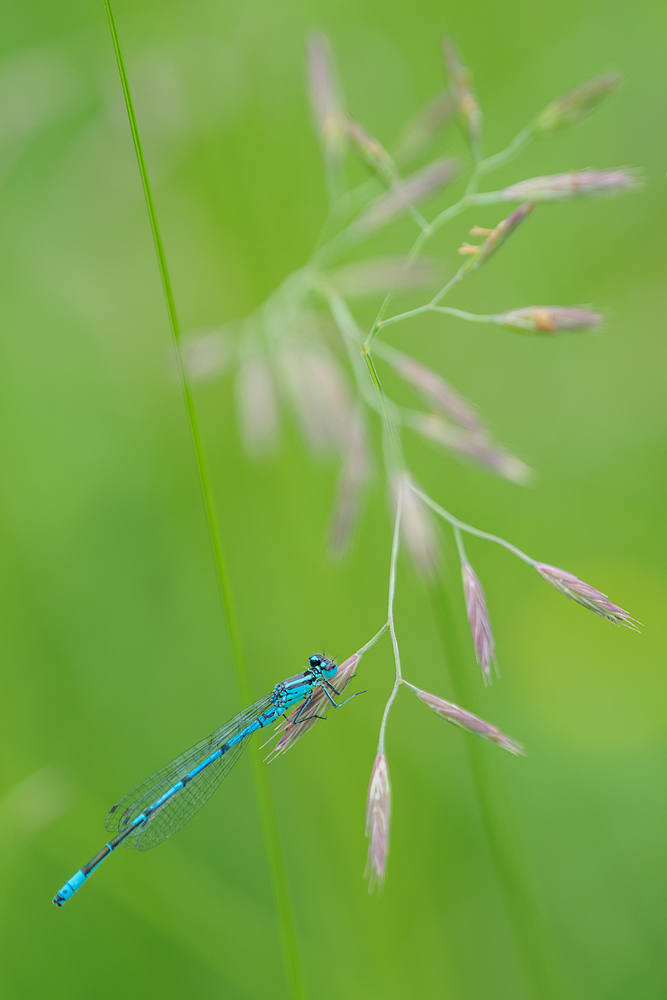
x,y
114,649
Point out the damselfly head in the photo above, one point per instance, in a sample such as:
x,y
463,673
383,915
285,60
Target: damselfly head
x,y
321,665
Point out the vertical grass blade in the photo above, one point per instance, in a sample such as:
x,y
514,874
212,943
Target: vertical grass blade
x,y
262,790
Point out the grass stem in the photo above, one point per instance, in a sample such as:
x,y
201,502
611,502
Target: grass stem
x,y
396,540
262,790
462,526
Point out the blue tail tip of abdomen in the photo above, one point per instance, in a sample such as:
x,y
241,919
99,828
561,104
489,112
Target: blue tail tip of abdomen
x,y
69,888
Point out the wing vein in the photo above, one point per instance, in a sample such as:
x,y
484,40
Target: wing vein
x,y
181,806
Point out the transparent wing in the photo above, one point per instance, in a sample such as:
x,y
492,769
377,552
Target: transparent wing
x,y
182,806
177,810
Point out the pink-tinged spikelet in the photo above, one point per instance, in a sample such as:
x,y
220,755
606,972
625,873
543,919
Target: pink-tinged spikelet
x,y
437,392
496,237
379,274
474,445
549,319
317,388
404,193
576,105
417,529
356,464
290,733
587,596
464,95
480,625
422,128
206,354
370,150
378,814
575,184
450,712
325,98
257,404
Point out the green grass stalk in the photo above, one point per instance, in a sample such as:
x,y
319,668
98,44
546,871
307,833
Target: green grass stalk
x,y
262,789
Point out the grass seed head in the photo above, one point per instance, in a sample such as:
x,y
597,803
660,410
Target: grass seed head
x,y
589,597
257,405
382,274
371,152
496,237
404,193
206,355
576,105
378,816
549,319
290,732
476,446
417,530
575,184
480,624
424,126
450,712
436,390
317,388
325,98
460,76
353,477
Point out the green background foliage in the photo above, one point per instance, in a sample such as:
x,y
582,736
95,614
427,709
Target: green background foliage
x,y
114,649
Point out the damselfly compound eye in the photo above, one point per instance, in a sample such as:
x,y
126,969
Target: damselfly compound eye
x,y
315,661
328,667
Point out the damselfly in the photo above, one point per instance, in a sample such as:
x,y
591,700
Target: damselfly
x,y
165,801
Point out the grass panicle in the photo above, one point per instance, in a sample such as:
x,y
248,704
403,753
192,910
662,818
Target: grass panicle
x,y
288,354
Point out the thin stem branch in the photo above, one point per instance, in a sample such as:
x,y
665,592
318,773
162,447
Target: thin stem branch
x,y
350,337
445,216
443,291
371,642
398,318
433,306
505,156
395,545
447,310
462,314
414,252
468,528
347,325
450,213
262,790
345,239
394,447
460,546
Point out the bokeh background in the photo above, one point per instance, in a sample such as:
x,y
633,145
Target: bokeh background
x,y
115,655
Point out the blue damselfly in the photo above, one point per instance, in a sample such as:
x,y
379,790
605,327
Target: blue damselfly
x,y
164,802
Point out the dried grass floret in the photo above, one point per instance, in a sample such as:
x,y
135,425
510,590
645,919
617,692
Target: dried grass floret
x,y
378,815
480,623
450,712
589,597
549,319
575,184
